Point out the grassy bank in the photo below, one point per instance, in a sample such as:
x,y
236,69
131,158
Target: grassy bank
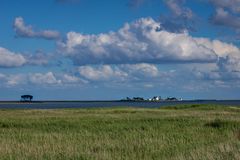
x,y
183,132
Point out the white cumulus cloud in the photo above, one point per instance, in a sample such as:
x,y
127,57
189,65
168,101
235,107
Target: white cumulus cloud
x,y
142,41
10,59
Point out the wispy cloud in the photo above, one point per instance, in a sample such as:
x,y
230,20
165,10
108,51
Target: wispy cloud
x,y
178,10
27,31
102,73
232,5
136,3
179,19
48,78
227,14
67,1
224,18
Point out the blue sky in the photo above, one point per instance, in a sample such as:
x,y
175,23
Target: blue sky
x,y
89,49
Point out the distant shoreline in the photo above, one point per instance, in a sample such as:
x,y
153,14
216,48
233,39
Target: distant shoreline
x,y
92,101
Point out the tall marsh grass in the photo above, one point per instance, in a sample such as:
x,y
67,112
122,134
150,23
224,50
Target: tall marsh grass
x,y
194,133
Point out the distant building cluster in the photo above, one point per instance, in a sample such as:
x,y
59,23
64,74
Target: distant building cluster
x,y
153,99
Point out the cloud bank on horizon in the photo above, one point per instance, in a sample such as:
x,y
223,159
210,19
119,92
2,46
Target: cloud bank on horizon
x,y
149,53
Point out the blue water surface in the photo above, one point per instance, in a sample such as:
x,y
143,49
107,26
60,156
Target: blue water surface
x,y
97,104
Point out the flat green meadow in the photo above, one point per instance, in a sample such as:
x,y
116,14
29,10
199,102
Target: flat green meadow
x,y
192,132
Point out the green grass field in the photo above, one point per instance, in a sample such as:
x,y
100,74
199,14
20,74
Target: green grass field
x,y
177,133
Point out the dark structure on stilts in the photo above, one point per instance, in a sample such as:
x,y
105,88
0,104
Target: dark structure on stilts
x,y
26,98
